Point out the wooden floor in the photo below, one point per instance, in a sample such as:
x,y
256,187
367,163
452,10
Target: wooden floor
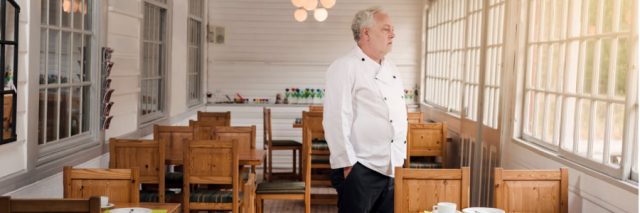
x,y
295,206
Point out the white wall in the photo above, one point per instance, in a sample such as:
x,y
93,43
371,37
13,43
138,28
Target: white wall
x,y
266,50
586,193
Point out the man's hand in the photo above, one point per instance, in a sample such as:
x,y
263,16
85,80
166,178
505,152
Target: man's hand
x,y
346,171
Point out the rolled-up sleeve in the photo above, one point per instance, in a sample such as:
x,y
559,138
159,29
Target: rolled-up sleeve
x,y
338,114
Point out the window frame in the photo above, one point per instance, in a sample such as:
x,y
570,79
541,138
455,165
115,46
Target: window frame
x,y
163,109
194,85
57,149
621,172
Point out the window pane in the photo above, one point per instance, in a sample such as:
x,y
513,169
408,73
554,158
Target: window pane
x,y
622,66
44,9
88,7
78,10
77,61
43,55
592,16
65,59
67,8
75,110
86,109
86,67
41,116
571,71
626,15
569,125
599,131
550,121
54,12
605,56
64,113
53,60
607,19
52,115
616,136
584,120
539,116
588,64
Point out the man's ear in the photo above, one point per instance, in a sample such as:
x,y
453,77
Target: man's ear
x,y
365,33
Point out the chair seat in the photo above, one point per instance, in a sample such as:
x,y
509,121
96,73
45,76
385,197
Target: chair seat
x,y
319,145
153,196
296,187
212,196
425,165
319,159
173,178
285,143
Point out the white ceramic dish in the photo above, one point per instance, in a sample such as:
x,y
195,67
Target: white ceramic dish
x,y
130,210
108,206
436,211
482,210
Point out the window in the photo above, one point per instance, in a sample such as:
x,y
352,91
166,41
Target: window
x,y
577,80
194,75
154,57
65,70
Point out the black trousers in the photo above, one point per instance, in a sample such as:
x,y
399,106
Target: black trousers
x,y
363,191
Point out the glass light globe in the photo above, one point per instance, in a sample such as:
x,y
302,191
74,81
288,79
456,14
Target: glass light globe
x,y
300,15
320,14
297,3
328,3
310,5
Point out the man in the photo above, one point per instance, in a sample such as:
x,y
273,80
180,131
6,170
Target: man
x,y
365,117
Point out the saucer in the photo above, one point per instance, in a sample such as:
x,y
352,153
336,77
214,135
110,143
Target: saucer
x,y
482,210
130,210
108,206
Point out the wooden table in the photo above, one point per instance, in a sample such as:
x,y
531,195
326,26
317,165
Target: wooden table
x,y
170,207
297,125
252,157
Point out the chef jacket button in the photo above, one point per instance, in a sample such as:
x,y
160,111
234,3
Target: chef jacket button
x,y
385,98
394,76
362,59
405,142
391,121
391,141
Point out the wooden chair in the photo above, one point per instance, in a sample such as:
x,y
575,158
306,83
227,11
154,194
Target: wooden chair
x,y
148,157
120,185
417,190
244,135
172,137
288,190
218,118
90,205
316,108
532,190
318,155
415,117
272,145
202,130
424,141
249,195
211,162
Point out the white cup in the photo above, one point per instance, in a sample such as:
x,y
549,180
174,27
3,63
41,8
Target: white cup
x,y
104,201
445,207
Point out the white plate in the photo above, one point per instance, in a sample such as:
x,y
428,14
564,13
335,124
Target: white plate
x,y
436,211
482,210
130,210
110,205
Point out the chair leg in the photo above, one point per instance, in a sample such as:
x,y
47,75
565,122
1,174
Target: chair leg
x,y
270,169
259,205
300,164
293,165
264,168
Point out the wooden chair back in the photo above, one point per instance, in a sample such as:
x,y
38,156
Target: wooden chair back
x,y
211,162
417,190
146,155
216,118
426,140
202,130
316,108
120,185
532,190
312,121
244,135
90,205
173,138
415,117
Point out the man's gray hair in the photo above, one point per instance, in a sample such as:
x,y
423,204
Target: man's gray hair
x,y
364,18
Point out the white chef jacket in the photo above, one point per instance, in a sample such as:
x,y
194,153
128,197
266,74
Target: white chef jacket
x,y
365,115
